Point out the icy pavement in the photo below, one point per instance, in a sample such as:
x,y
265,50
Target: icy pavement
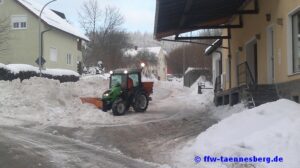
x,y
23,148
56,117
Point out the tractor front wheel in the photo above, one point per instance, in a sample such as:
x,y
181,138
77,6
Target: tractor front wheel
x,y
119,107
140,102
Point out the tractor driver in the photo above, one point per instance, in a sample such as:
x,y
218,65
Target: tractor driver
x,y
129,83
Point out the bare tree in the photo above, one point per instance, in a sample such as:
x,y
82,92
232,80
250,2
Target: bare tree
x,y
107,37
4,30
90,16
113,19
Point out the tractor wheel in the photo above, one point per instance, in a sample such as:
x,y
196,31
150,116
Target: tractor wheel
x,y
140,102
119,107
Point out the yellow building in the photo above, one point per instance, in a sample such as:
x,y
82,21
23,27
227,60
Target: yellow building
x,y
257,56
61,42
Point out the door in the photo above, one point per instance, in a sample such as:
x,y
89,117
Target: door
x,y
251,53
271,55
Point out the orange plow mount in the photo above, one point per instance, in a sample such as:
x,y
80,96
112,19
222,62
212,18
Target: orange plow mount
x,y
93,100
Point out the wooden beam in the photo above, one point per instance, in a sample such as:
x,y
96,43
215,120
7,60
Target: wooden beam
x,y
187,8
202,37
191,42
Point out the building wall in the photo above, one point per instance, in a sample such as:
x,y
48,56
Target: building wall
x,y
23,44
65,44
255,28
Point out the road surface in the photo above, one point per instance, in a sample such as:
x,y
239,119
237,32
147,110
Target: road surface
x,y
171,120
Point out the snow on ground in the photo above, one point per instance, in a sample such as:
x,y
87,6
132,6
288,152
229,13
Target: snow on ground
x,y
40,101
59,72
269,130
46,101
266,131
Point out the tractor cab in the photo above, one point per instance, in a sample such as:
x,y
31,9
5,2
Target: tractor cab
x,y
127,79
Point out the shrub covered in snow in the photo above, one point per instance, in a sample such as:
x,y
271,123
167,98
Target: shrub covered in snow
x,y
22,71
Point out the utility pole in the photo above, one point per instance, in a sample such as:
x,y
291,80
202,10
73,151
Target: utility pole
x,y
40,54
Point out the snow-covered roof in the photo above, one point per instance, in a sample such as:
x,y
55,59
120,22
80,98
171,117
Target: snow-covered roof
x,y
154,50
52,19
193,68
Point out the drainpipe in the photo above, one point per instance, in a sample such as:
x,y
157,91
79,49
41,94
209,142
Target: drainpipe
x,y
42,41
229,57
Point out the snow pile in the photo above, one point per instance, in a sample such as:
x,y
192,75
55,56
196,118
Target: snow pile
x,y
48,102
98,76
269,130
17,68
59,72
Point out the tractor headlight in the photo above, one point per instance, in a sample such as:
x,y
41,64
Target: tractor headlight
x,y
125,72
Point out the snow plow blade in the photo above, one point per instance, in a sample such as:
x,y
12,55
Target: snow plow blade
x,y
93,100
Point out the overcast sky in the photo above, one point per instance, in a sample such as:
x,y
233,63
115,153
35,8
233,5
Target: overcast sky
x,y
139,14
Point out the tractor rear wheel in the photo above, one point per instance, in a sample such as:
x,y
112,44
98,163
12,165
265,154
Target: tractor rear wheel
x,y
140,102
119,107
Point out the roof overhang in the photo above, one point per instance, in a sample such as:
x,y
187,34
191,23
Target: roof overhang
x,y
175,17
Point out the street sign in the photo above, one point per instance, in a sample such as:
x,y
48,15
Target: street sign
x,y
37,61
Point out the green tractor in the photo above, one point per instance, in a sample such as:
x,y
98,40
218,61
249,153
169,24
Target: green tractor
x,y
125,90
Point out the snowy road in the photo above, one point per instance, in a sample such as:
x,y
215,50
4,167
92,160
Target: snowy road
x,y
170,121
23,148
58,131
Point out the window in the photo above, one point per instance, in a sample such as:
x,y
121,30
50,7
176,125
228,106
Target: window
x,y
19,22
53,54
69,59
79,44
296,41
135,79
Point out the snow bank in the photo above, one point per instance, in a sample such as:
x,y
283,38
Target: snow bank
x,y
48,102
266,131
17,68
59,72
